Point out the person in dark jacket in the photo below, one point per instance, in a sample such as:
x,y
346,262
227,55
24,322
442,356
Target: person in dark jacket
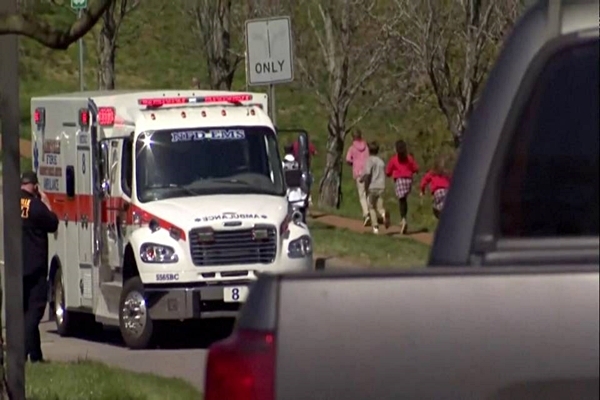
x,y
38,221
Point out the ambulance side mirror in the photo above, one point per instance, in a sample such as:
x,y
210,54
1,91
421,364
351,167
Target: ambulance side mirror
x,y
305,182
303,155
303,151
104,169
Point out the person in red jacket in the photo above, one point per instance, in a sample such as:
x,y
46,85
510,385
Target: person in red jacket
x,y
401,168
438,180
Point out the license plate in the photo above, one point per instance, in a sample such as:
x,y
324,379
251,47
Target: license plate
x,y
235,294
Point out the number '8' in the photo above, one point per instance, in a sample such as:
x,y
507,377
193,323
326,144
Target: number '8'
x,y
235,294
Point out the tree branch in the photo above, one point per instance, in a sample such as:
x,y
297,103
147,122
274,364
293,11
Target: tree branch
x,y
324,100
127,6
216,24
321,43
373,65
53,37
364,113
456,42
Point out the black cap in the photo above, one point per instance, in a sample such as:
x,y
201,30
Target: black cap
x,y
29,177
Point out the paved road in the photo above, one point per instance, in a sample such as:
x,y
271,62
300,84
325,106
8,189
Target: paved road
x,y
186,360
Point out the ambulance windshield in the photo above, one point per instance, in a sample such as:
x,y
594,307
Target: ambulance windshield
x,y
190,162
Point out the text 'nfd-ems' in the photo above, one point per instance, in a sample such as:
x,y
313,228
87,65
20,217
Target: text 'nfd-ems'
x,y
213,134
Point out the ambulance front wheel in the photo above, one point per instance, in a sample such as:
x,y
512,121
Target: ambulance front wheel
x,y
135,323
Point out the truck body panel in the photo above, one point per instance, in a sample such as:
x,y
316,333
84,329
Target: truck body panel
x,y
493,333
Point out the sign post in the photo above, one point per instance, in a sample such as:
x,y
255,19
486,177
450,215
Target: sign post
x,y
269,55
79,6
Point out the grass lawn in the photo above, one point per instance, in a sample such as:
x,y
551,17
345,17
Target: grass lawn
x,y
366,248
86,380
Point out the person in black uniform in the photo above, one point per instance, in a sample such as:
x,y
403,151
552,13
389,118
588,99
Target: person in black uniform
x,y
38,221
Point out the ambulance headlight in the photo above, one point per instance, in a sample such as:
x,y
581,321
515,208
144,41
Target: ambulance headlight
x,y
153,253
300,248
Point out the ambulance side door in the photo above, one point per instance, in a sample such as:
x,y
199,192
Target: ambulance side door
x,y
114,206
126,184
85,217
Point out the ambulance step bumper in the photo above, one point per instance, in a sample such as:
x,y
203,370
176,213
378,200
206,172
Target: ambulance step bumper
x,y
184,303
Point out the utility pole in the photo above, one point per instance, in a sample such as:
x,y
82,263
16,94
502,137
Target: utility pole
x,y
81,66
79,6
11,195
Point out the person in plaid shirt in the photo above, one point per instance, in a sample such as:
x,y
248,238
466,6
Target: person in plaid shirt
x,y
401,168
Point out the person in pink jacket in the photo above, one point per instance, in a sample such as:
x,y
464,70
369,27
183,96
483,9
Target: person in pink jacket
x,y
357,156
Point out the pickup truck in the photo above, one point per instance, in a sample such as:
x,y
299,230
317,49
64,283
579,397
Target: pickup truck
x,y
508,307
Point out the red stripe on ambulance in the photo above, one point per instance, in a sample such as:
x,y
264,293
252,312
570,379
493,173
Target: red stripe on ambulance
x,y
74,209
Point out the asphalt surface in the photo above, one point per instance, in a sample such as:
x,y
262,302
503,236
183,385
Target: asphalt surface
x,y
180,353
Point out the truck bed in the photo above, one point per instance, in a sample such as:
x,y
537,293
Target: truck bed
x,y
498,333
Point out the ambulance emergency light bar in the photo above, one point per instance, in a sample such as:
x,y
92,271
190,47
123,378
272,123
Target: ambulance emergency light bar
x,y
163,101
106,117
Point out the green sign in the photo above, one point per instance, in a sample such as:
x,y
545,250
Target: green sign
x,y
79,4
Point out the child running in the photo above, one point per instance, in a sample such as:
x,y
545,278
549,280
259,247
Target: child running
x,y
373,177
438,180
401,168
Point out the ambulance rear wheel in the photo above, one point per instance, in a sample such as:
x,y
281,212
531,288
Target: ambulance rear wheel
x,y
137,328
65,320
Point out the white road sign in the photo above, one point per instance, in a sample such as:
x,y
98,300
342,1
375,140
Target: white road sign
x,y
269,55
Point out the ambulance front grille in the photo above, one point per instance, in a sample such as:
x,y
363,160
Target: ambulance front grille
x,y
234,247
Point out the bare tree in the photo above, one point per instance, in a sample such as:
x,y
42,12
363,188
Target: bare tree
x,y
107,40
60,38
455,43
217,23
353,43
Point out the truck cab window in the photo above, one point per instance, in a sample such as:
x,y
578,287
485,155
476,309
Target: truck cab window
x,y
550,182
127,166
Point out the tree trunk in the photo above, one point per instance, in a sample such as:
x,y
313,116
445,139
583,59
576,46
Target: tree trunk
x,y
107,45
221,67
106,63
220,73
455,126
330,187
3,381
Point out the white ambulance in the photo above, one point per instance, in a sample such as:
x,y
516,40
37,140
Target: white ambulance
x,y
170,205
